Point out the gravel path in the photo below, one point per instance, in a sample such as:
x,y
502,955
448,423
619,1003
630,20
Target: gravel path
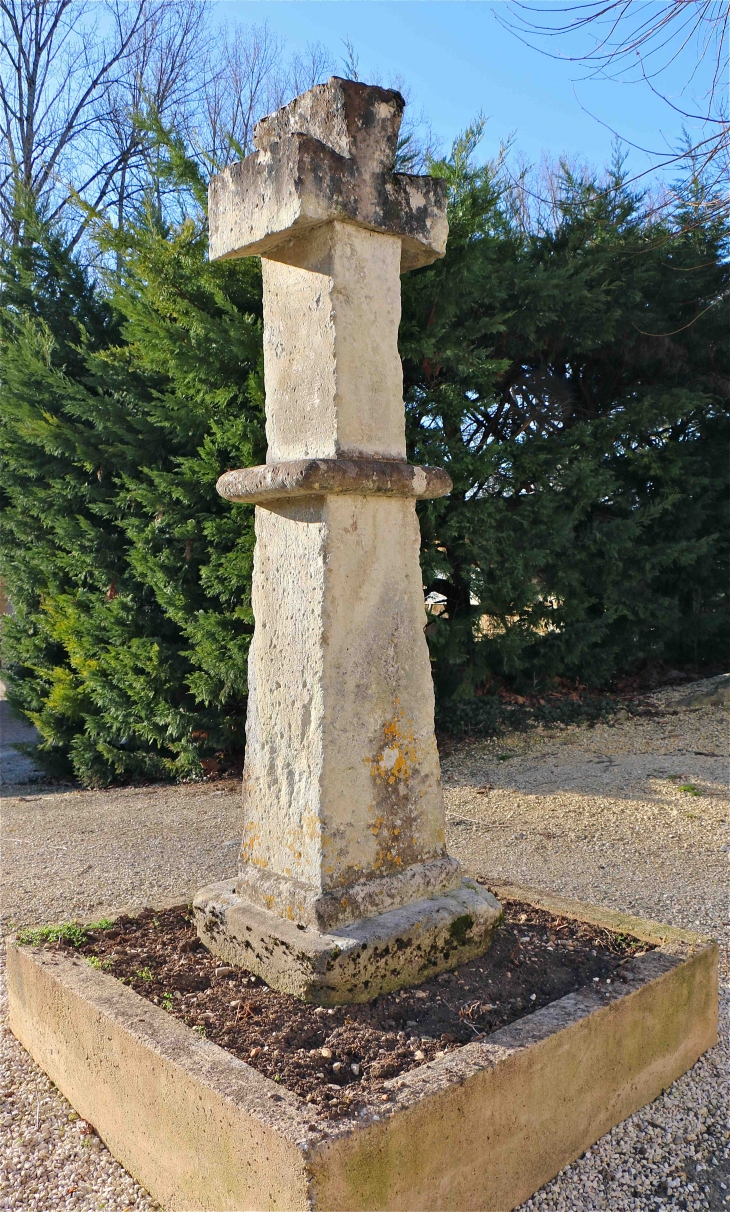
x,y
599,814
15,766
92,854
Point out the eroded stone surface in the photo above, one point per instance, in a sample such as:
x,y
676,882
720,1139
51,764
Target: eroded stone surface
x,y
334,382
342,781
328,155
353,963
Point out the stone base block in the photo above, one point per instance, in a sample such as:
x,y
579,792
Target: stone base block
x,y
480,1128
353,963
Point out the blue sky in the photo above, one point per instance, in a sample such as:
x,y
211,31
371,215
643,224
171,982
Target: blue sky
x,y
458,60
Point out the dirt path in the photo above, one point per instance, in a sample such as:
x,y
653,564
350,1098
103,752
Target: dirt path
x,y
632,815
601,813
95,853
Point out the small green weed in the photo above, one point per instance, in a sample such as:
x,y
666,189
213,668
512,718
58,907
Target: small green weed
x,y
70,932
690,789
144,974
93,961
166,1001
104,923
505,757
200,1031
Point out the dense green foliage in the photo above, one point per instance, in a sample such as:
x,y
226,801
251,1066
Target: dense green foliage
x,y
575,383
128,575
588,525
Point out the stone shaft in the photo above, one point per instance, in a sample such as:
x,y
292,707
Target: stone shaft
x,y
342,780
334,383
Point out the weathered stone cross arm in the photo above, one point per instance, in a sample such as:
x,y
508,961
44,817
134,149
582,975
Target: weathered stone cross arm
x,y
328,155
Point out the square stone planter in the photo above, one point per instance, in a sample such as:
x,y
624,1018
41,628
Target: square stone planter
x,y
481,1128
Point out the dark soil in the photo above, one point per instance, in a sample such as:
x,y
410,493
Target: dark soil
x,y
339,1059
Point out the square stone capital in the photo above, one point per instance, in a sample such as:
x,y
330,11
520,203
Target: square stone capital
x,y
327,156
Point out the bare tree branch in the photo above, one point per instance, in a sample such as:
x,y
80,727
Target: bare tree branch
x,y
245,80
637,41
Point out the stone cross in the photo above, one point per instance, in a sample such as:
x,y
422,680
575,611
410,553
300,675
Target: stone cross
x,y
344,886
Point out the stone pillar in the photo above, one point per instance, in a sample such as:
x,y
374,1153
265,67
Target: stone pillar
x,y
344,886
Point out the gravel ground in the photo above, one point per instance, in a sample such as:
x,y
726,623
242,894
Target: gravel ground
x,y
91,854
599,813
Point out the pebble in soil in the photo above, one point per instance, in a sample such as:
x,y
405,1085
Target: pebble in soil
x,y
339,1059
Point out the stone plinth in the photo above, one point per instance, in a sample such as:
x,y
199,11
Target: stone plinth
x,y
374,954
343,818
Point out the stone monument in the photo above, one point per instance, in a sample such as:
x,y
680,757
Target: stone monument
x,y
344,887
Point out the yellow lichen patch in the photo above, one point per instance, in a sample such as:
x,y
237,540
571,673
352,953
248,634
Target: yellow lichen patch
x,y
310,824
398,770
249,844
399,752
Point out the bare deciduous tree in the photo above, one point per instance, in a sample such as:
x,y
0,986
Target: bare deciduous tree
x,y
638,41
312,66
244,80
55,66
165,76
86,87
73,77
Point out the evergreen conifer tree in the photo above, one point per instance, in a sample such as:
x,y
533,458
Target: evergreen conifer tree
x,y
574,381
128,575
